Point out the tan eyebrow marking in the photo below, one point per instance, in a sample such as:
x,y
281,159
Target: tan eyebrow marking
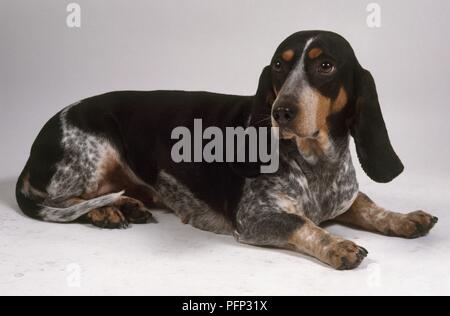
x,y
314,53
288,55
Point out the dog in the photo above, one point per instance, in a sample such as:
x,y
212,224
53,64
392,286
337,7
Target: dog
x,y
106,159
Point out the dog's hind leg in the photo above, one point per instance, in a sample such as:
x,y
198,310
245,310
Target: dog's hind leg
x,y
103,207
72,174
118,215
40,204
111,210
107,217
134,210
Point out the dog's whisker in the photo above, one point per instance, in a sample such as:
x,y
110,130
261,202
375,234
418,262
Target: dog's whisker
x,y
268,119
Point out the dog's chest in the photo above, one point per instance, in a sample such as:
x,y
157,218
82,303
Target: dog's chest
x,y
320,192
327,191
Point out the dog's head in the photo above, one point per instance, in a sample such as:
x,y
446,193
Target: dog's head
x,y
315,85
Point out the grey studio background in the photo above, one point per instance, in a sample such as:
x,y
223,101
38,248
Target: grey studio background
x,y
218,46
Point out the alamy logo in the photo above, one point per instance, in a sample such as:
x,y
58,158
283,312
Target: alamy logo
x,y
73,278
374,277
73,20
237,145
374,17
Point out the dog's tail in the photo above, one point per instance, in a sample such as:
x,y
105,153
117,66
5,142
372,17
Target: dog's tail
x,y
74,212
32,204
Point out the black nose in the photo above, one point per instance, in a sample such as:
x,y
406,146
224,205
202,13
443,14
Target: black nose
x,y
284,114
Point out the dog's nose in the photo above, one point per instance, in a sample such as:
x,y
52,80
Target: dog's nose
x,y
284,114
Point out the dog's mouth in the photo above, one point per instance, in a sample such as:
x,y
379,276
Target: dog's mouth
x,y
291,133
288,133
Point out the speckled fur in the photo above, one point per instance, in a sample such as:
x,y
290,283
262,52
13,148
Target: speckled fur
x,y
76,174
318,192
190,209
79,170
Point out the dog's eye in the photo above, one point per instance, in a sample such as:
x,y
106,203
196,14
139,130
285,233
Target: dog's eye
x,y
277,66
326,67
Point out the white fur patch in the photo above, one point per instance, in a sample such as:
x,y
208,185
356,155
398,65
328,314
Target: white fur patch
x,y
79,170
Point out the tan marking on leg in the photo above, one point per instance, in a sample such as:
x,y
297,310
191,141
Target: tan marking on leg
x,y
115,176
288,55
364,213
125,200
28,190
96,215
107,217
115,216
314,53
26,185
134,210
335,251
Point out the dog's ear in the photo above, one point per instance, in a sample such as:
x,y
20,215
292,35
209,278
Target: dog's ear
x,y
375,152
263,100
260,117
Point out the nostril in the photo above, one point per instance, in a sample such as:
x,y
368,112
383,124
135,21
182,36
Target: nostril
x,y
288,114
276,115
284,114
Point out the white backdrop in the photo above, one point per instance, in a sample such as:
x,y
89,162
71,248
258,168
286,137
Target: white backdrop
x,y
219,46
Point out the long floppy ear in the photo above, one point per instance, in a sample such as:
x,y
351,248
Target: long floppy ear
x,y
375,152
263,100
260,117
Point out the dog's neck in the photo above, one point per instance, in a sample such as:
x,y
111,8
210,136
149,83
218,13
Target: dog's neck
x,y
325,148
327,163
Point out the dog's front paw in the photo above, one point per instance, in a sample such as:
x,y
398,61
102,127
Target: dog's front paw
x,y
346,255
415,224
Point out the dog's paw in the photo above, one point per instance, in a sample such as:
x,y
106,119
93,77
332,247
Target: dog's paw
x,y
108,217
135,212
346,255
415,224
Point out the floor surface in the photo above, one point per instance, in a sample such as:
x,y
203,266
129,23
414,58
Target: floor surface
x,y
170,258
